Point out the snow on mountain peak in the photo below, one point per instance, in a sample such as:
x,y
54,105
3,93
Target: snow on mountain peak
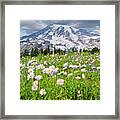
x,y
63,36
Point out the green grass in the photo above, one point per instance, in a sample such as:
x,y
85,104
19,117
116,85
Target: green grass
x,y
89,87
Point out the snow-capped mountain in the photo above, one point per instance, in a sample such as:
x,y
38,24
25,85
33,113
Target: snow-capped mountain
x,y
63,37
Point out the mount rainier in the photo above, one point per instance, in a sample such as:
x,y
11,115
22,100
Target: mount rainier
x,y
61,37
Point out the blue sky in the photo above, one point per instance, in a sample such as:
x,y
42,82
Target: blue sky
x,y
30,26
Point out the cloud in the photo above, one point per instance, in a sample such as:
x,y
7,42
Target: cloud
x,y
29,26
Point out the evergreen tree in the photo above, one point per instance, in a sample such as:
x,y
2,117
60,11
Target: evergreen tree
x,y
45,52
54,50
26,52
48,49
41,50
32,52
95,49
59,51
36,52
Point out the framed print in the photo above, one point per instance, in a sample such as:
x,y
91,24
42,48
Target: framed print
x,y
59,59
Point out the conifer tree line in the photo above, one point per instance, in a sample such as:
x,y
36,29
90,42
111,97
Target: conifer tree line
x,y
35,51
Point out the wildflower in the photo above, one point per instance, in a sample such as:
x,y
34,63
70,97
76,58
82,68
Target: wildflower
x,y
53,55
70,74
52,67
35,83
65,68
78,78
45,62
79,65
83,70
83,76
98,68
78,93
76,60
30,70
39,77
83,66
31,67
90,70
40,66
60,81
34,88
22,66
59,73
62,73
92,61
94,68
65,73
30,75
32,62
51,70
65,65
90,64
74,66
42,92
46,70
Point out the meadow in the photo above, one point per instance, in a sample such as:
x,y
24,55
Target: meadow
x,y
71,76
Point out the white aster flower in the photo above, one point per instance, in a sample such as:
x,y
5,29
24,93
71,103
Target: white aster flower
x,y
83,76
78,78
22,66
59,73
30,70
65,65
45,62
62,73
65,68
60,81
83,70
98,68
31,67
70,74
38,77
94,68
74,66
42,92
32,62
83,66
51,70
34,88
65,73
78,93
30,75
35,83
76,60
52,67
46,70
40,66
53,55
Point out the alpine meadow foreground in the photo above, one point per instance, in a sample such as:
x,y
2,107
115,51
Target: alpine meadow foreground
x,y
72,76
